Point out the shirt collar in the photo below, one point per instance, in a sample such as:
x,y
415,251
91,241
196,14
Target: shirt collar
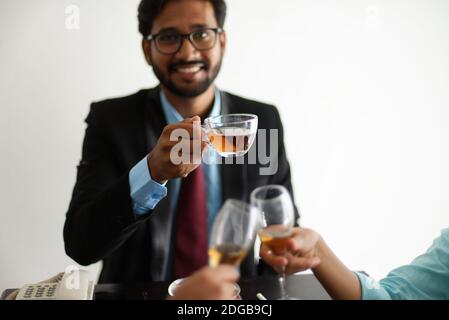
x,y
173,116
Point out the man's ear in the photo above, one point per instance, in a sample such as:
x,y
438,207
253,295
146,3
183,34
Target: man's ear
x,y
223,41
146,47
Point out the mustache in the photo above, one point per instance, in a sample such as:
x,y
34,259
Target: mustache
x,y
183,63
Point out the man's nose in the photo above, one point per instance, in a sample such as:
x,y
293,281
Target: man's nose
x,y
187,50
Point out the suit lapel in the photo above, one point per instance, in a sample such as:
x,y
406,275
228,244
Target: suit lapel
x,y
154,118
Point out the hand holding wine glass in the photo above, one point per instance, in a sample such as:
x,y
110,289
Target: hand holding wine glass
x,y
302,252
278,213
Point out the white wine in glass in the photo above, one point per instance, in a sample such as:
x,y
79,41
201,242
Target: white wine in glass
x,y
227,254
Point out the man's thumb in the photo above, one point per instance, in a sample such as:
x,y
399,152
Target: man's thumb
x,y
192,119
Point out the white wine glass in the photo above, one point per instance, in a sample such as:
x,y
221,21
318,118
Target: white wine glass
x,y
278,214
232,134
233,233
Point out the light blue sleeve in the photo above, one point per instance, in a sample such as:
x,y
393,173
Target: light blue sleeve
x,y
371,289
427,277
145,192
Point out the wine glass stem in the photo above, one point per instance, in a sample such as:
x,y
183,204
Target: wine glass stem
x,y
282,283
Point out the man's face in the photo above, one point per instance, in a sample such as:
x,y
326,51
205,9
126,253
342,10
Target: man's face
x,y
188,72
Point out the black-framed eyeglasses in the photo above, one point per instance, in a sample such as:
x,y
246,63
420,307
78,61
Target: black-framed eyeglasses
x,y
170,42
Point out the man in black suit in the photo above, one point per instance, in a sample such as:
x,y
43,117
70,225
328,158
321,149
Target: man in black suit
x,y
129,198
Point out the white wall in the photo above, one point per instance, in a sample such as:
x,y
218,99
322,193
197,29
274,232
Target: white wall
x,y
362,87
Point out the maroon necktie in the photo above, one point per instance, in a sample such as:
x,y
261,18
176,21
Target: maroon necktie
x,y
191,242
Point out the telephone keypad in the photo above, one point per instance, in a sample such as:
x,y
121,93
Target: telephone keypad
x,y
39,291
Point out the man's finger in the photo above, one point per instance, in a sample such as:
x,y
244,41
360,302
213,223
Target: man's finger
x,y
185,152
184,130
179,131
191,119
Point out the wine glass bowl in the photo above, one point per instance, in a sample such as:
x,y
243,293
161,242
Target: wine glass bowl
x,y
276,237
233,233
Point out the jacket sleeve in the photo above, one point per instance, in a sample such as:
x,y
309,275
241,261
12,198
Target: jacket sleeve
x,y
100,216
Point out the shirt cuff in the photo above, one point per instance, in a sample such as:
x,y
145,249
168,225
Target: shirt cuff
x,y
371,289
145,192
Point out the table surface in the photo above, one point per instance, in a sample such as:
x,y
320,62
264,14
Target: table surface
x,y
303,286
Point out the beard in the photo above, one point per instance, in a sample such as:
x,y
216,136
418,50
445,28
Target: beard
x,y
191,92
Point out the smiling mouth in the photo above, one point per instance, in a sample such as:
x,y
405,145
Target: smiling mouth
x,y
192,69
188,68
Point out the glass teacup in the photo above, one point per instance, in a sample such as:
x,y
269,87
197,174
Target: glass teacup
x,y
231,134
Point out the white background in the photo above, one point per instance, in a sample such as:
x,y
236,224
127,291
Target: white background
x,y
362,87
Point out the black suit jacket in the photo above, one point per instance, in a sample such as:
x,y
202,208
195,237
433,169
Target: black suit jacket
x,y
100,224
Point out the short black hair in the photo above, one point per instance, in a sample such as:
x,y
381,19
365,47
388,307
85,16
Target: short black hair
x,y
150,9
